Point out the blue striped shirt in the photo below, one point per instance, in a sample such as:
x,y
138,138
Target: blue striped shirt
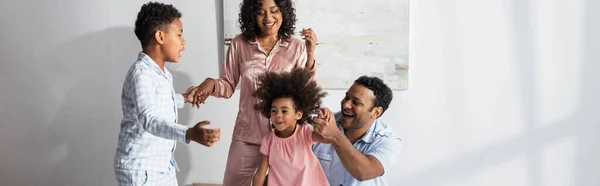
x,y
149,129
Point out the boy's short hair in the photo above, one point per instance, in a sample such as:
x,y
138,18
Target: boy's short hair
x,y
383,93
154,16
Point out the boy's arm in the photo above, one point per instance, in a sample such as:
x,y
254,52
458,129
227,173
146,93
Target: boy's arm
x,y
152,121
187,97
261,173
179,100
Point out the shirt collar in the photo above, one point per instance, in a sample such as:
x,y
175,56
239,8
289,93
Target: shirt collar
x,y
281,42
368,137
148,61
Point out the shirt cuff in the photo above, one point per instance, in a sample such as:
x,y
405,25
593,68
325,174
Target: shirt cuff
x,y
179,101
217,87
180,131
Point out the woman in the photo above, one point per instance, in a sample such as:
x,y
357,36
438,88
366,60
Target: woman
x,y
265,45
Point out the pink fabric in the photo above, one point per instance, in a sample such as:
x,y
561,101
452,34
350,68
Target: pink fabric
x,y
291,160
241,163
245,61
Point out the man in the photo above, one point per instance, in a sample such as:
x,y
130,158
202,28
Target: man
x,y
362,147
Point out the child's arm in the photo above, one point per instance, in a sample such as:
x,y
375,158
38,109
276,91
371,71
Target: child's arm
x,y
316,137
186,97
143,95
259,176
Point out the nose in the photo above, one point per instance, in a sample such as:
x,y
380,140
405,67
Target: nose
x,y
268,16
346,104
183,41
276,115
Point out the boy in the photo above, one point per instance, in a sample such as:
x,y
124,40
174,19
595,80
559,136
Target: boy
x,y
149,129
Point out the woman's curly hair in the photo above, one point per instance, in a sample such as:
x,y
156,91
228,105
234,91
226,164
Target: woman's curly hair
x,y
249,24
296,84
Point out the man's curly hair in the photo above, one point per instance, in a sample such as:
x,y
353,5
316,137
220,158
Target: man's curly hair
x,y
154,16
383,93
249,24
297,85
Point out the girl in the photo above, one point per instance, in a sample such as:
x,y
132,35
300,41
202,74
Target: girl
x,y
288,99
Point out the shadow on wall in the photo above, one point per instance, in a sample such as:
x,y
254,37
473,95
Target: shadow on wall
x,y
220,33
181,82
66,121
580,126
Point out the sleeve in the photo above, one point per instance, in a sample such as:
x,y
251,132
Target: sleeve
x,y
148,115
179,101
387,151
230,76
308,131
265,144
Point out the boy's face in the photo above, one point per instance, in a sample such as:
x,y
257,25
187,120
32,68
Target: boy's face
x,y
173,43
283,115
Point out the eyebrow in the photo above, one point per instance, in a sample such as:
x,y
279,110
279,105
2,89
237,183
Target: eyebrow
x,y
353,97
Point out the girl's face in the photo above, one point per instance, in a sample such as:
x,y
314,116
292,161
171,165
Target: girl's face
x,y
284,115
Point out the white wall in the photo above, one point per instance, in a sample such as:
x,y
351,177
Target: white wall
x,y
501,92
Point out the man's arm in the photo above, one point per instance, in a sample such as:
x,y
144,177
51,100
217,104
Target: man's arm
x,y
360,166
386,150
316,137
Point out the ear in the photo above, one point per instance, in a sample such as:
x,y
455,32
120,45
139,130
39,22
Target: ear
x,y
159,36
377,111
298,115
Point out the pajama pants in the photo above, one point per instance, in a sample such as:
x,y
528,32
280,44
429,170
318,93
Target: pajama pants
x,y
149,178
242,162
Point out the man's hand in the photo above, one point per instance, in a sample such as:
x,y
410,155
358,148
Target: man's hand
x,y
204,136
324,124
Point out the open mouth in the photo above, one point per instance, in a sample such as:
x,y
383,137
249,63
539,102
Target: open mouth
x,y
347,114
270,25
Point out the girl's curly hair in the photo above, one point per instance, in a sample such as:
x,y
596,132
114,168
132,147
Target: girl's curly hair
x,y
296,84
249,25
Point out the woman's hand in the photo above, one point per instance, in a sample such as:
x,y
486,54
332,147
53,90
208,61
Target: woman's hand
x,y
310,39
203,91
